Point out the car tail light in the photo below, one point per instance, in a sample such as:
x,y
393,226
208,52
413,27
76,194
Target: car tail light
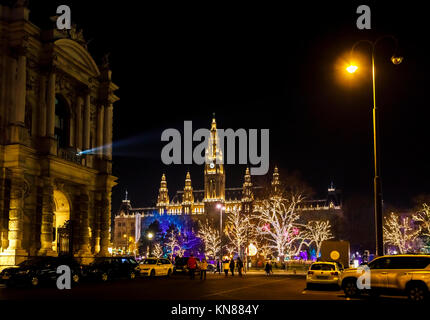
x,y
334,273
310,272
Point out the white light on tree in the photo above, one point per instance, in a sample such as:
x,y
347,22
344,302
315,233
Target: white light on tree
x,y
316,232
423,218
157,251
210,237
172,243
237,227
278,224
399,232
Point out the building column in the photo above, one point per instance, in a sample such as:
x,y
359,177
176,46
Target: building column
x,y
78,123
14,254
48,208
50,117
108,117
87,119
96,224
105,225
18,110
100,122
42,107
4,215
84,238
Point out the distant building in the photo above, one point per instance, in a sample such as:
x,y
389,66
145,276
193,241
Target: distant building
x,y
197,204
55,101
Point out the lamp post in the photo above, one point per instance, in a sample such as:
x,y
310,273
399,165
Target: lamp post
x,y
376,148
150,236
221,208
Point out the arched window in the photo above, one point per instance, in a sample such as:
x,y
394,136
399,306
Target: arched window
x,y
62,122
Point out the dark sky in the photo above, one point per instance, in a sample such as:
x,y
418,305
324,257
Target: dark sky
x,y
263,66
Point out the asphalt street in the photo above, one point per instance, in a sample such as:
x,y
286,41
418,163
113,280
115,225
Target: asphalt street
x,y
180,287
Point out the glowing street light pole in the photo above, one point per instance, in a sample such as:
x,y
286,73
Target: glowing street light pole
x,y
150,236
221,208
376,149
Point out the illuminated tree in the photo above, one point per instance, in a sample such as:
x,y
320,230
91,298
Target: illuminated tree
x,y
317,232
172,243
236,230
278,224
210,237
157,251
399,232
265,251
423,217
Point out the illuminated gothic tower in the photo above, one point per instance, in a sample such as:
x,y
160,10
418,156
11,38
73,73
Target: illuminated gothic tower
x,y
163,195
187,197
247,195
276,184
214,172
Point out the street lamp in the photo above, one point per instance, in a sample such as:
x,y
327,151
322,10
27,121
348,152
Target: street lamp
x,y
376,152
221,208
150,236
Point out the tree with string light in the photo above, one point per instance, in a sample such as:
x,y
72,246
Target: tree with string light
x,y
210,238
399,232
316,232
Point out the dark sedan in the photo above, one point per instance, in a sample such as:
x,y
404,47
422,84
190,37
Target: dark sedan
x,y
39,271
108,268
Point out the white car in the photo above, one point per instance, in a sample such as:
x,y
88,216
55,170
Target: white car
x,y
323,273
155,267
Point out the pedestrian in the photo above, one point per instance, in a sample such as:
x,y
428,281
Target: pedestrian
x,y
239,266
203,269
232,267
192,266
218,266
226,266
268,268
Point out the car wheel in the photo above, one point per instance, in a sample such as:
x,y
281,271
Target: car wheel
x,y
104,277
169,273
132,275
152,274
350,288
417,292
309,286
34,281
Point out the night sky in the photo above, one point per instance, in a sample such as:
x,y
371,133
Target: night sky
x,y
280,68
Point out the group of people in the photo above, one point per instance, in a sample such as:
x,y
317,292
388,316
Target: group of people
x,y
230,265
193,265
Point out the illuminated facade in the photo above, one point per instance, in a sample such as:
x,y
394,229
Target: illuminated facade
x,y
54,102
203,203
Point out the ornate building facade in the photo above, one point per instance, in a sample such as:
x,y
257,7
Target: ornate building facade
x,y
55,101
216,196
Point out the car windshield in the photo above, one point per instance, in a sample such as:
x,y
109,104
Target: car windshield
x,y
149,261
323,267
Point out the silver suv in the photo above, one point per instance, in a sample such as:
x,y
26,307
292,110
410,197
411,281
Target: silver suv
x,y
396,274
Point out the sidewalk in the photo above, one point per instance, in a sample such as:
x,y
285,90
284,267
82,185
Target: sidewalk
x,y
278,272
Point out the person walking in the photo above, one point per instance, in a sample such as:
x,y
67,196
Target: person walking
x,y
226,266
232,266
192,266
239,265
268,268
218,266
203,269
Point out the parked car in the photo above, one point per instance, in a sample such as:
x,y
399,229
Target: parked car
x,y
393,274
38,271
181,265
109,268
156,267
323,273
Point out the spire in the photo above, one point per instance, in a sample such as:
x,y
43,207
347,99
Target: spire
x,y
213,152
126,194
213,126
275,181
